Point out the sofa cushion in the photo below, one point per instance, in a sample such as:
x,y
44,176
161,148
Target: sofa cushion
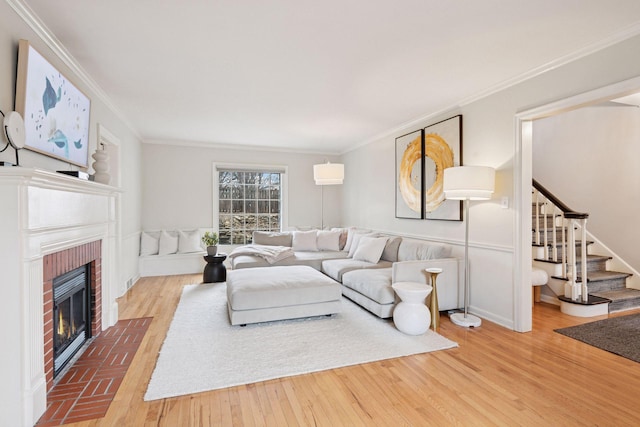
x,y
370,249
305,240
328,240
413,249
375,284
335,268
271,238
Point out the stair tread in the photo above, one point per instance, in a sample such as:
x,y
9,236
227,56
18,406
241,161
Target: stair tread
x,y
591,300
595,276
596,257
578,243
550,261
600,276
618,294
589,258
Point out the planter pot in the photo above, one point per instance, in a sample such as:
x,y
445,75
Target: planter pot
x,y
212,250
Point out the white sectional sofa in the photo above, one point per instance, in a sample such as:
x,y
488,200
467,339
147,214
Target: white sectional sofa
x,y
308,249
366,264
168,252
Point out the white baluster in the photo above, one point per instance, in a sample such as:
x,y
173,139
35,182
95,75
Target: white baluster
x,y
583,256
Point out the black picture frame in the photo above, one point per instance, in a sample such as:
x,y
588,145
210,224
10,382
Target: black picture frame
x,y
409,182
442,149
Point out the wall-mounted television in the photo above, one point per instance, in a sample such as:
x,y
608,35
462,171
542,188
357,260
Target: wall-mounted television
x,y
56,113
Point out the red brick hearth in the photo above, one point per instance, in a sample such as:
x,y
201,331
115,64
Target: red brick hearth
x,y
57,264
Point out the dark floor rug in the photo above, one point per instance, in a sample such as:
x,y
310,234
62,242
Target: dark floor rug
x,y
618,335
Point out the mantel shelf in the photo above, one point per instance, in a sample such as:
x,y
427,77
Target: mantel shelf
x,y
47,179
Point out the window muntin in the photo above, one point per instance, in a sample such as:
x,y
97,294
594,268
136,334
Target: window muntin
x,y
248,201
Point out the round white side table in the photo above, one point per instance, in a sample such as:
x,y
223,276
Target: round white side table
x,y
411,315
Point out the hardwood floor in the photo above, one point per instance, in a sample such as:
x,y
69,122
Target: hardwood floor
x,y
495,377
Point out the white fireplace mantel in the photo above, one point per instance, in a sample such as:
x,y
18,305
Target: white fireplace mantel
x,y
42,213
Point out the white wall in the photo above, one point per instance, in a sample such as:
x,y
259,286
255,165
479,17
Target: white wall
x,y
178,191
589,159
489,138
12,29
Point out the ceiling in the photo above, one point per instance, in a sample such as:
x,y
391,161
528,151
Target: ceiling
x,y
322,76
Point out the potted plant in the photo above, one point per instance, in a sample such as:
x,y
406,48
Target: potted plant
x,y
210,240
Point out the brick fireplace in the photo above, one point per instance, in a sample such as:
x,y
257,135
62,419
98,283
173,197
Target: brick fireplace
x,y
57,264
51,224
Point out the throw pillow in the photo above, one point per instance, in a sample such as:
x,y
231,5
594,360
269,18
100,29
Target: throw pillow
x,y
370,249
343,236
356,240
350,235
390,252
168,243
148,244
189,241
305,241
328,240
271,239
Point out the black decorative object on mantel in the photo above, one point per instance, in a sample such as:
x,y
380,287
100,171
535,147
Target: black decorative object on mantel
x,y
76,174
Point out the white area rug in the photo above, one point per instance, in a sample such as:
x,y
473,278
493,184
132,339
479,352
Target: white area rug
x,y
202,351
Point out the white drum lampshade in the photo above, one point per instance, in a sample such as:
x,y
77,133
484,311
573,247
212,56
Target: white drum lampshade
x,y
328,173
469,182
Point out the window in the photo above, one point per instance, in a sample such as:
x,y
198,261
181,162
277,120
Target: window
x,y
248,201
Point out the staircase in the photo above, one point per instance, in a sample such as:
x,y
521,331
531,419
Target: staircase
x,y
557,251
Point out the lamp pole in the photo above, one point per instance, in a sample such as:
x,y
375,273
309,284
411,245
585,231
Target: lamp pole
x,y
322,207
465,319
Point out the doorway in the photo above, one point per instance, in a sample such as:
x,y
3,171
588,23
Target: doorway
x,y
522,183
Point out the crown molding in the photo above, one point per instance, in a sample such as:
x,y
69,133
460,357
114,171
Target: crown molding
x,y
589,49
240,147
42,31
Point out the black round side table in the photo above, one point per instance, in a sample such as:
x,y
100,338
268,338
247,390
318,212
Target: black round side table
x,y
214,271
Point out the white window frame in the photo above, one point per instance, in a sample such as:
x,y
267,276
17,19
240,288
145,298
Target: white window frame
x,y
283,170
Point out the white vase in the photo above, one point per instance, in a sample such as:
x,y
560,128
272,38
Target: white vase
x,y
101,167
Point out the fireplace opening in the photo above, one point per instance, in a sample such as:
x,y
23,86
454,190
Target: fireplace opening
x,y
71,315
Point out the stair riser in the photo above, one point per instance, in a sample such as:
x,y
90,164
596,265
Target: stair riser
x,y
549,235
606,285
578,255
623,305
595,265
550,222
592,266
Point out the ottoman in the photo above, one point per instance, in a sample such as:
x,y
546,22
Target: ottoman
x,y
265,294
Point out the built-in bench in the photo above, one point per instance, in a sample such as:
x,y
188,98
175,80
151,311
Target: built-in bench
x,y
169,252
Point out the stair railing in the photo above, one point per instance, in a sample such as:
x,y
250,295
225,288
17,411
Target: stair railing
x,y
549,207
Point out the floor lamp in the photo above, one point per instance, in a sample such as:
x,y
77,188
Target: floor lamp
x,y
468,183
327,174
